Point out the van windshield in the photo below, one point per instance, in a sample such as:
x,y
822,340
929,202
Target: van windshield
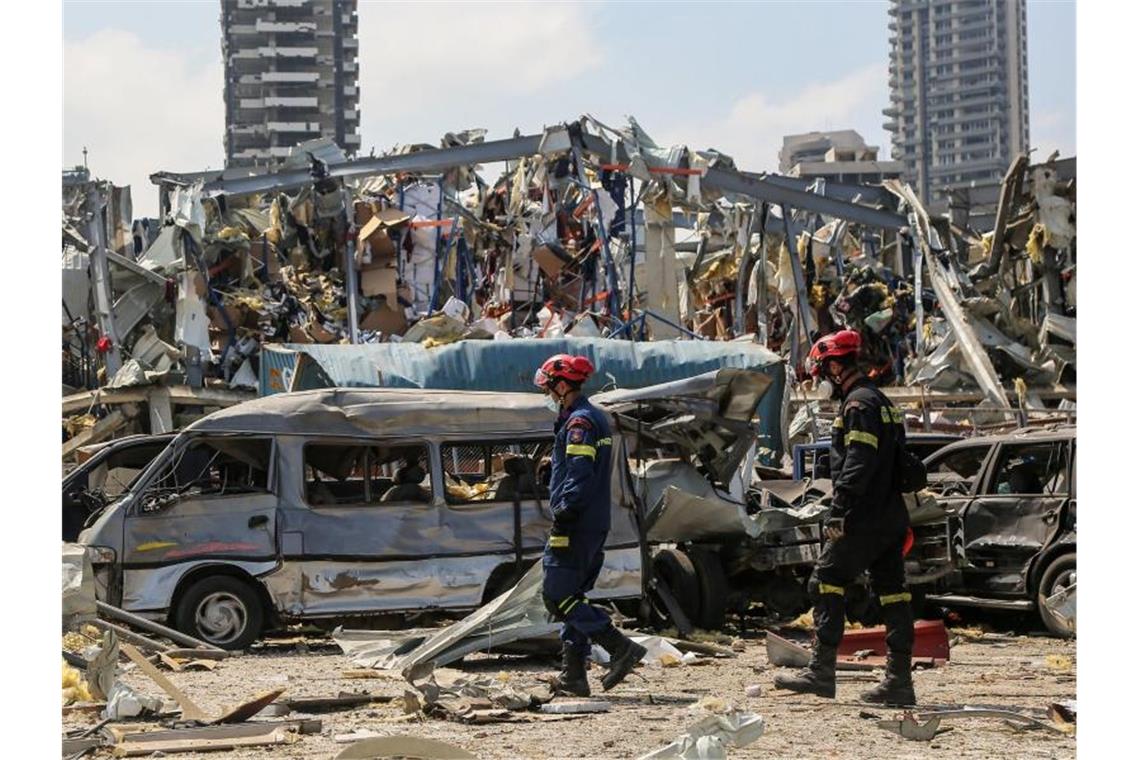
x,y
211,468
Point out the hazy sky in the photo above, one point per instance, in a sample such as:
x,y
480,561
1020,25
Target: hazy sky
x,y
143,79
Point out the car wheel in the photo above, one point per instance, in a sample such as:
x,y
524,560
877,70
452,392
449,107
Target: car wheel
x,y
1059,575
676,571
222,610
712,588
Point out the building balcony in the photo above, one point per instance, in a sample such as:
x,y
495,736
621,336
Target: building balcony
x,y
287,102
287,52
290,77
286,27
293,126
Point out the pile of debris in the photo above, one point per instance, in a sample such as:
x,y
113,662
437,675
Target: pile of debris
x,y
589,231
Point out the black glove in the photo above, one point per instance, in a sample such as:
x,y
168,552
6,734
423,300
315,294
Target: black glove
x,y
563,522
834,527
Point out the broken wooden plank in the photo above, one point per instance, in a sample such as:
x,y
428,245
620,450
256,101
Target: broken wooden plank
x,y
205,739
190,711
339,702
201,654
249,708
102,429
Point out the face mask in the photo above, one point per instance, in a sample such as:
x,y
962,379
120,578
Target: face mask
x,y
552,403
826,388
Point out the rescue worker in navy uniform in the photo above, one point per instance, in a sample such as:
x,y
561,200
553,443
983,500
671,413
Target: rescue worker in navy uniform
x,y
580,503
867,529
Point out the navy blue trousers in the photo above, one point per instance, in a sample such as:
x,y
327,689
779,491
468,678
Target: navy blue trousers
x,y
568,574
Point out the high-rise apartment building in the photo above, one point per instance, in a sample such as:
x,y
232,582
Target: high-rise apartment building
x,y
291,75
959,90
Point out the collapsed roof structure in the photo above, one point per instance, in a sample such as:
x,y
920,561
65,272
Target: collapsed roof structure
x,y
588,231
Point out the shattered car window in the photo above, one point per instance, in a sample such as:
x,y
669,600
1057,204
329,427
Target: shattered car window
x,y
957,470
212,468
1040,468
475,472
338,474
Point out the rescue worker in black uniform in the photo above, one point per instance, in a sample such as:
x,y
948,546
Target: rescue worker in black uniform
x,y
580,502
867,529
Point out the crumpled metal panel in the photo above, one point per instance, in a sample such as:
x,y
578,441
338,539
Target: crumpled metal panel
x,y
78,585
152,589
516,615
684,516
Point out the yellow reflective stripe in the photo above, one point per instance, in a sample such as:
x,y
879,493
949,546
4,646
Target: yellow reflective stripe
x,y
885,414
898,415
605,441
891,414
580,449
827,588
574,602
858,436
559,542
838,423
886,599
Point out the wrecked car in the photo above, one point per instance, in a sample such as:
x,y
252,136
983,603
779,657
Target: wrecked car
x,y
719,539
1003,534
103,477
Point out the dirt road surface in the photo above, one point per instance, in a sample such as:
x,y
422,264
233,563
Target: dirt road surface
x,y
995,669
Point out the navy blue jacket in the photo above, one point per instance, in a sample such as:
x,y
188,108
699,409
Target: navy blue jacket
x,y
580,470
865,438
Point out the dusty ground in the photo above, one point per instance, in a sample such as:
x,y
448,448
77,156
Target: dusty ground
x,y
997,669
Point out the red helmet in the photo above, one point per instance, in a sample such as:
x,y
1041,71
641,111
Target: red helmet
x,y
832,346
573,369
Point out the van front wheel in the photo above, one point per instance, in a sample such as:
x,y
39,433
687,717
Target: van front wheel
x,y
222,610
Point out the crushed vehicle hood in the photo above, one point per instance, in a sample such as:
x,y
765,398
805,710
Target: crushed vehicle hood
x,y
708,416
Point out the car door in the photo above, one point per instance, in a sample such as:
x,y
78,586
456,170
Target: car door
x,y
1015,514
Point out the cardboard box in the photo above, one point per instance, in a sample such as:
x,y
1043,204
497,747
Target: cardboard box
x,y
235,314
549,261
320,334
386,320
374,232
379,281
297,334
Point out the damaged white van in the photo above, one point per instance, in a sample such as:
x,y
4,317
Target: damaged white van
x,y
340,503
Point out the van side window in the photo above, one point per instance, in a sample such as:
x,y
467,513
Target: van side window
x,y
212,468
341,474
475,472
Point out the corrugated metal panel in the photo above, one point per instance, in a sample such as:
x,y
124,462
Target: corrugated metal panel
x,y
509,365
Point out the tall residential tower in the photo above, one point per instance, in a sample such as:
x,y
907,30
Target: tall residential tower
x,y
291,76
959,90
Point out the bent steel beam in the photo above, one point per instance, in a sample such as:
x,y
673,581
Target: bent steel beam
x,y
773,189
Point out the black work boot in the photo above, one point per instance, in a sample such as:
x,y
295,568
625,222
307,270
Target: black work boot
x,y
572,679
897,688
624,654
817,678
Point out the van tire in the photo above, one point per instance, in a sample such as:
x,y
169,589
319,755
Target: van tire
x,y
221,609
676,571
1054,574
712,586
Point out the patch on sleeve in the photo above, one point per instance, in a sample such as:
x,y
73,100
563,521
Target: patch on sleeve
x,y
577,434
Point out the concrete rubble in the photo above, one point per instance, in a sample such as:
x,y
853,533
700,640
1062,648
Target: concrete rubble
x,y
583,230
